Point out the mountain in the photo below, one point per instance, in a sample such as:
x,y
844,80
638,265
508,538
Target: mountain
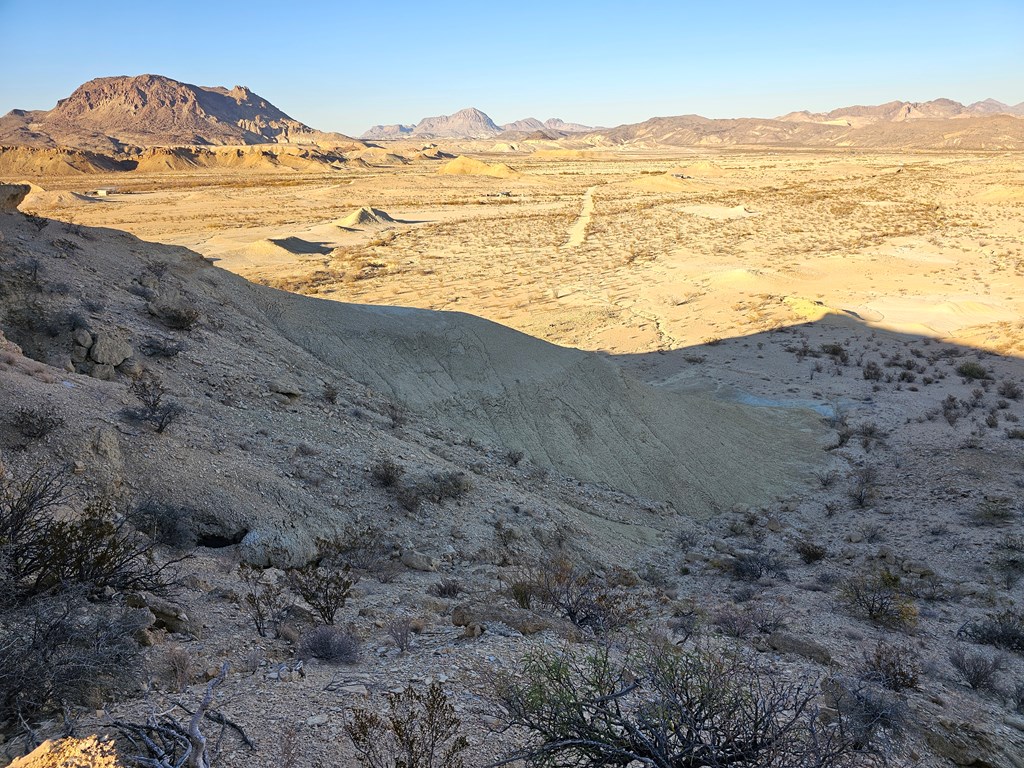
x,y
899,111
468,123
550,127
114,113
938,124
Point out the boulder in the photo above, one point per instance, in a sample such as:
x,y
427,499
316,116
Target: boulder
x,y
784,642
107,350
11,196
418,561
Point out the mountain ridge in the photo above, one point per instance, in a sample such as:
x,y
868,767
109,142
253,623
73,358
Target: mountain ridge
x,y
116,113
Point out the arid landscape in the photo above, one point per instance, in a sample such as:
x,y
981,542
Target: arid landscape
x,y
517,417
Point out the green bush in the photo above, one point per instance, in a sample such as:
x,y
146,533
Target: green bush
x,y
972,370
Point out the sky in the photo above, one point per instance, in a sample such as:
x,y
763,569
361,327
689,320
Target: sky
x,y
343,66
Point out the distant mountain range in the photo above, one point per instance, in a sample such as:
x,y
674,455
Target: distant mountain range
x,y
470,123
121,116
118,113
899,111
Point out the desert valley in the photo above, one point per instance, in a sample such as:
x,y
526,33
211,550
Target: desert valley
x,y
535,435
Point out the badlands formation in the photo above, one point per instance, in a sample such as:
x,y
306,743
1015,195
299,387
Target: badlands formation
x,y
734,372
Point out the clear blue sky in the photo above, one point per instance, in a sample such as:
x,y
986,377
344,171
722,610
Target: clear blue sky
x,y
345,66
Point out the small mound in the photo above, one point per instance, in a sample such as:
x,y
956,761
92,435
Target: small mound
x,y
468,166
701,169
366,217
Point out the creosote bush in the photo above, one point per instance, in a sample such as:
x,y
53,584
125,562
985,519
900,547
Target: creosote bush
x,y
1003,630
63,650
667,708
980,670
972,370
35,423
579,595
324,584
94,550
264,601
419,730
155,407
894,666
879,598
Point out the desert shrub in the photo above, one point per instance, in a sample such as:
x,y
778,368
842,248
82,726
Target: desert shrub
x,y
155,407
879,598
972,370
179,314
338,646
264,601
865,712
161,346
35,423
863,484
579,595
446,485
387,472
837,351
514,457
827,477
400,630
872,371
170,524
97,550
62,651
1003,630
420,730
809,551
1011,389
894,666
179,667
448,588
751,566
994,510
94,550
978,669
324,586
666,707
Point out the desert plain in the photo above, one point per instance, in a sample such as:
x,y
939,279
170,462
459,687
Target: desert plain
x,y
824,303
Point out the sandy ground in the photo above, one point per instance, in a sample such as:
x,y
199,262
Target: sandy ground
x,y
626,253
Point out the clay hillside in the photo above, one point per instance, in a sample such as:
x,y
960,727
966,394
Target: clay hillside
x,y
115,113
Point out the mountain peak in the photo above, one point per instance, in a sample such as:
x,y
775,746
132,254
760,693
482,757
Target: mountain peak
x,y
155,110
